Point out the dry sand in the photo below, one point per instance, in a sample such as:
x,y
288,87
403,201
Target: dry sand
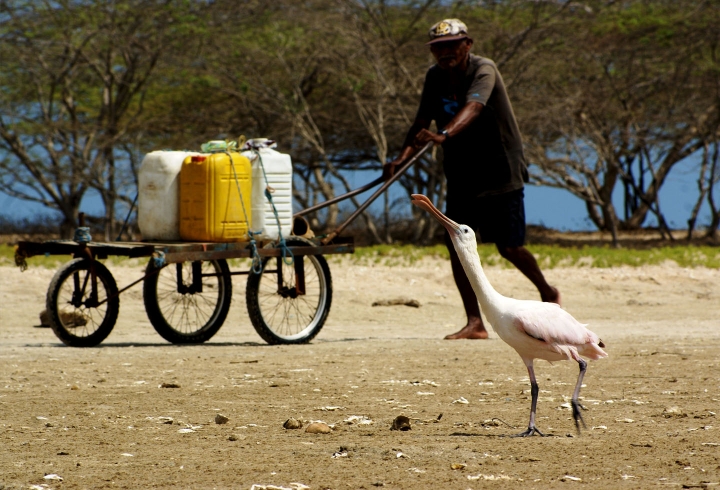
x,y
98,417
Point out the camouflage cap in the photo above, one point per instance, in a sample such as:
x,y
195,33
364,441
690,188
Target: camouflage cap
x,y
447,30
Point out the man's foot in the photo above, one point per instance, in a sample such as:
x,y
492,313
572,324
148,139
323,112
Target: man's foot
x,y
552,297
469,331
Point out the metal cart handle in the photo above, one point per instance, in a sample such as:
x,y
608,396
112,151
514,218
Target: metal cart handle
x,y
398,173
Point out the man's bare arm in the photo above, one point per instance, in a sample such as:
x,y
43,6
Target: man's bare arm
x,y
457,124
419,134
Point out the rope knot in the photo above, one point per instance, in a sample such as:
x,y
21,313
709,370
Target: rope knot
x,y
257,265
82,235
158,258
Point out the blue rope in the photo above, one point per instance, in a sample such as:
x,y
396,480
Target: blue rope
x,y
158,259
257,266
82,235
286,252
237,183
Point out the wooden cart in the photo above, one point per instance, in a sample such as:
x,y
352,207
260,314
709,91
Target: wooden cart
x,y
187,286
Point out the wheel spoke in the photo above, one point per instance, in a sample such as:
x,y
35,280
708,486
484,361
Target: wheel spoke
x,y
278,313
74,318
188,317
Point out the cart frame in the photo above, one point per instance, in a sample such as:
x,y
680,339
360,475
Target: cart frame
x,y
187,286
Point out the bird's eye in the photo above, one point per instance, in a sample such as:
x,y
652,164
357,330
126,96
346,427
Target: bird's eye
x,y
465,230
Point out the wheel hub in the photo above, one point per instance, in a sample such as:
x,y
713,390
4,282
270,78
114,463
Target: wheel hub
x,y
287,292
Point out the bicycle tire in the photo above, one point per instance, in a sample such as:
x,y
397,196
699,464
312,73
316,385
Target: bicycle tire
x,y
76,318
181,311
278,313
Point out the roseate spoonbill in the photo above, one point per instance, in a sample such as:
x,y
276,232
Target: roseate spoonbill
x,y
536,330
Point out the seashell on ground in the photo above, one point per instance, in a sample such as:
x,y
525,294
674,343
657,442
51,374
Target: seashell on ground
x,y
341,453
671,412
358,420
69,317
318,428
570,478
44,319
401,422
397,302
292,423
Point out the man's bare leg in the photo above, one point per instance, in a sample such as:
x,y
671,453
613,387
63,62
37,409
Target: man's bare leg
x,y
525,262
474,329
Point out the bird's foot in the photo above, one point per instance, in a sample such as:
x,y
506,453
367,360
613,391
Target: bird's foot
x,y
531,431
469,331
577,415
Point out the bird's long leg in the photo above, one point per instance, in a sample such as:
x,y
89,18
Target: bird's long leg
x,y
534,390
575,404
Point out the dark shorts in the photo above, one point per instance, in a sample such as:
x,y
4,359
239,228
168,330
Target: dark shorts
x,y
498,219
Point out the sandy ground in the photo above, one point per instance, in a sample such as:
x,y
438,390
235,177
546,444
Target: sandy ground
x,y
98,418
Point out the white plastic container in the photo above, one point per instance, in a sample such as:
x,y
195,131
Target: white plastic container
x,y
278,170
158,195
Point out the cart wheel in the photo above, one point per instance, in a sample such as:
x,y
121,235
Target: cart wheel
x,y
279,309
187,302
77,316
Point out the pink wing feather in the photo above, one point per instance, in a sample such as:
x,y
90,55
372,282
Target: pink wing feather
x,y
549,322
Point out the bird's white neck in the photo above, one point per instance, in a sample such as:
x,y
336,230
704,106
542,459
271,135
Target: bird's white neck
x,y
487,296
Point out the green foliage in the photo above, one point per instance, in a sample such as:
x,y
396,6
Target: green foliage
x,y
603,257
7,258
337,82
550,256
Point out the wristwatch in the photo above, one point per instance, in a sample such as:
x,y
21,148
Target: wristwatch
x,y
444,132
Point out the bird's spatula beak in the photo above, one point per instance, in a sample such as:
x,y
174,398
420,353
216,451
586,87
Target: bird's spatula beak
x,y
423,202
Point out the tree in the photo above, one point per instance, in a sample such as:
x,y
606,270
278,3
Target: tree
x,y
73,93
301,77
610,96
626,101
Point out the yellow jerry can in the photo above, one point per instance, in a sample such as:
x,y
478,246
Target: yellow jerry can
x,y
215,198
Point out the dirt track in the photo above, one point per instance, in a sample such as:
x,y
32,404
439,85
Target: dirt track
x,y
98,417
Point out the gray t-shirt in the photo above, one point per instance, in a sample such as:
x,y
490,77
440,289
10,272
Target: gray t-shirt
x,y
487,157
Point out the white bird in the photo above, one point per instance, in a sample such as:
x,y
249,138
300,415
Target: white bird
x,y
536,330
